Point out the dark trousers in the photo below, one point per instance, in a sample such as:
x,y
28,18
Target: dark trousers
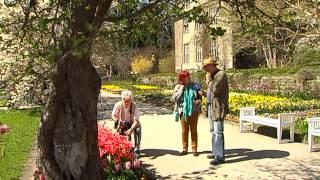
x,y
123,127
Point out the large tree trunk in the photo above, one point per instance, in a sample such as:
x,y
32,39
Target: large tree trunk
x,y
68,131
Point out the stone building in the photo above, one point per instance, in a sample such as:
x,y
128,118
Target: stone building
x,y
190,48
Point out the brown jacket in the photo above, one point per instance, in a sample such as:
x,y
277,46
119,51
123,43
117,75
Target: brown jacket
x,y
219,89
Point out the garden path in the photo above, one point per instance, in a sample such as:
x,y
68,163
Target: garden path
x,y
248,155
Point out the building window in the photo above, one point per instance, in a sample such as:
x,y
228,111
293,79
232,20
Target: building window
x,y
185,25
198,52
213,14
186,53
214,48
198,26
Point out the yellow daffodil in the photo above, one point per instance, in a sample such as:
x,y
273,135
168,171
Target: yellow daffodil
x,y
146,87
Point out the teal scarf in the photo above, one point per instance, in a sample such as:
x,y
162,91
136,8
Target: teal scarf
x,y
188,95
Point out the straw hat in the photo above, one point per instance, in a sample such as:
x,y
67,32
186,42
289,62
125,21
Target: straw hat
x,y
209,61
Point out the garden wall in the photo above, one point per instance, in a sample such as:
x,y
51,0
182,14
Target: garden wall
x,y
285,85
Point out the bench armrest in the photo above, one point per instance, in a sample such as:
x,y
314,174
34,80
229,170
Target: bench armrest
x,y
287,118
247,111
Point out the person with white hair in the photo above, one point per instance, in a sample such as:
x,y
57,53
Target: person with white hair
x,y
126,116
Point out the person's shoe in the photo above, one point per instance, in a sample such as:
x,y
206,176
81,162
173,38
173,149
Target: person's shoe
x,y
183,153
136,152
210,156
195,154
216,162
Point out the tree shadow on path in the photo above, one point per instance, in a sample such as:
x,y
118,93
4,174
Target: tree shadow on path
x,y
232,156
239,155
155,153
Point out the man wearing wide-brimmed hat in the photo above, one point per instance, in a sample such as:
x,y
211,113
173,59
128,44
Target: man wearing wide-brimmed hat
x,y
218,107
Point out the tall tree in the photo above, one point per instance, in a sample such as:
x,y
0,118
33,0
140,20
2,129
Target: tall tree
x,y
274,26
62,32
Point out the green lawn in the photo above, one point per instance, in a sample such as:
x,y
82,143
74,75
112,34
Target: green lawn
x,y
16,144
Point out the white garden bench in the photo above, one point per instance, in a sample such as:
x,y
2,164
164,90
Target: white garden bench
x,y
247,114
313,130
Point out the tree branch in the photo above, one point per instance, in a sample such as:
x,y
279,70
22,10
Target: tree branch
x,y
102,8
135,14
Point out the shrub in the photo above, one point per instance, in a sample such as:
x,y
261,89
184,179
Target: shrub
x,y
240,77
307,56
199,77
305,74
141,65
301,127
167,64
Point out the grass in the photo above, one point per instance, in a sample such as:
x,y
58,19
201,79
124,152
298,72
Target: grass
x,y
16,144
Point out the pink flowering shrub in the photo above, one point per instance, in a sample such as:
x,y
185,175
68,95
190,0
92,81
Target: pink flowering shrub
x,y
114,146
117,157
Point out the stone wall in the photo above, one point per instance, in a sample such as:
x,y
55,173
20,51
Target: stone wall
x,y
286,85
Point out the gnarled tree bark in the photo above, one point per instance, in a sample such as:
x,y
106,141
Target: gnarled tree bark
x,y
68,130
67,136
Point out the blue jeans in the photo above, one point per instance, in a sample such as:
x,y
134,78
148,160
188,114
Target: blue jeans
x,y
217,139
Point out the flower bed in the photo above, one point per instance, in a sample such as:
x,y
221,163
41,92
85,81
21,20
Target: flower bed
x,y
146,87
117,87
111,88
118,159
270,104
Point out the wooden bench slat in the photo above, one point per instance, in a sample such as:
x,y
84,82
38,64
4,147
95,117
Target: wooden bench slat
x,y
261,120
